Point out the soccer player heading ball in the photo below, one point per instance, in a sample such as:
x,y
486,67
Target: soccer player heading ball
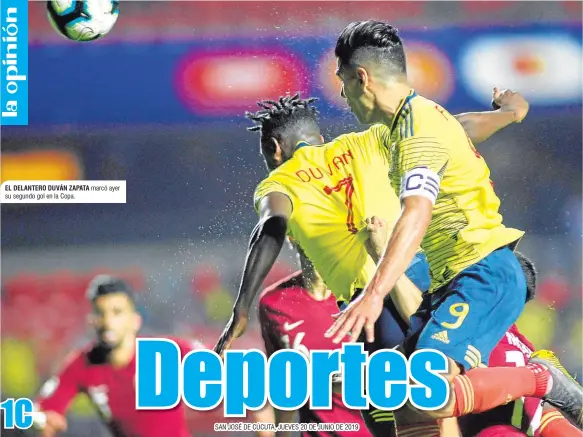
x,y
450,208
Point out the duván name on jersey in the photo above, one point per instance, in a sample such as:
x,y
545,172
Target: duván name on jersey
x,y
306,175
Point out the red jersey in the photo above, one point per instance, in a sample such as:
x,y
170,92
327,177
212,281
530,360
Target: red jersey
x,y
112,392
291,318
524,414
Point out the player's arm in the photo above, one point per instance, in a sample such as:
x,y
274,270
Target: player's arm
x,y
404,241
480,126
419,160
265,243
406,296
54,399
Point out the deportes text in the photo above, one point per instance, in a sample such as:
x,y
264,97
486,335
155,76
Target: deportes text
x,y
289,379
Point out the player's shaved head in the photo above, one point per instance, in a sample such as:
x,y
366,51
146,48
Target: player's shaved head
x,y
373,70
283,123
372,44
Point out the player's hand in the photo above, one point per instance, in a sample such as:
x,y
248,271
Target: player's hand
x,y
234,329
362,312
377,236
55,423
510,101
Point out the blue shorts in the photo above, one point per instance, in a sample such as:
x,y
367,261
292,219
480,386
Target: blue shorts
x,y
390,328
466,318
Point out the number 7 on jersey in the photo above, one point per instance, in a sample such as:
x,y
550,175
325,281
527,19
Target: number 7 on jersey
x,y
348,186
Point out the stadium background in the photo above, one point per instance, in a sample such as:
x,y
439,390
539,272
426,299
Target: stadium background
x,y
158,103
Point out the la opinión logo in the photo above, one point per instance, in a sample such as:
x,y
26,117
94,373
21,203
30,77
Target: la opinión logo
x,y
14,67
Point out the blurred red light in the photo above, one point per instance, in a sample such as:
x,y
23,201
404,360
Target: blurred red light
x,y
231,82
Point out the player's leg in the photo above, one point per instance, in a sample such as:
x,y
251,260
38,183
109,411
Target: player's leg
x,y
471,315
554,424
390,331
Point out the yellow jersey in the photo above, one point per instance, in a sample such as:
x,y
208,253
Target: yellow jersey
x,y
333,188
432,156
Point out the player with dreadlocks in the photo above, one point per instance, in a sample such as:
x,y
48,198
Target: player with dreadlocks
x,y
322,196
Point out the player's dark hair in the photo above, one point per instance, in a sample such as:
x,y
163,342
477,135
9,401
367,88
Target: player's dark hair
x,y
276,118
530,273
375,41
102,285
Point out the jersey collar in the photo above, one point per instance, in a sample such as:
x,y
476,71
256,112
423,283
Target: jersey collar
x,y
301,144
406,100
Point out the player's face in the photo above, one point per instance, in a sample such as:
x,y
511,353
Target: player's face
x,y
115,319
356,93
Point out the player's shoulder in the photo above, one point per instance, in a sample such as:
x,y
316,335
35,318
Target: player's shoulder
x,y
269,184
421,117
424,110
421,103
271,177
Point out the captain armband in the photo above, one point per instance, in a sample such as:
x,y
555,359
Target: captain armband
x,y
420,181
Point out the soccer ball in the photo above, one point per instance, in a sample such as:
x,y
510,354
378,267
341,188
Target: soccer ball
x,y
83,20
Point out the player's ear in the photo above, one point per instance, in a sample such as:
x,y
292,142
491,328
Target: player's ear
x,y
277,151
322,138
363,77
137,322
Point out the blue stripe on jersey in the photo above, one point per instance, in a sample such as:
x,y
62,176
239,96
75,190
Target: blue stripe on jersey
x,y
406,123
411,132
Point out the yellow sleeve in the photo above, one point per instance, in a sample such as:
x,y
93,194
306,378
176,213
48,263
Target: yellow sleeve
x,y
264,188
420,158
423,149
421,143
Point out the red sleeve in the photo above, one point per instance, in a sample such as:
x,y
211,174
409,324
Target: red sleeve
x,y
58,392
